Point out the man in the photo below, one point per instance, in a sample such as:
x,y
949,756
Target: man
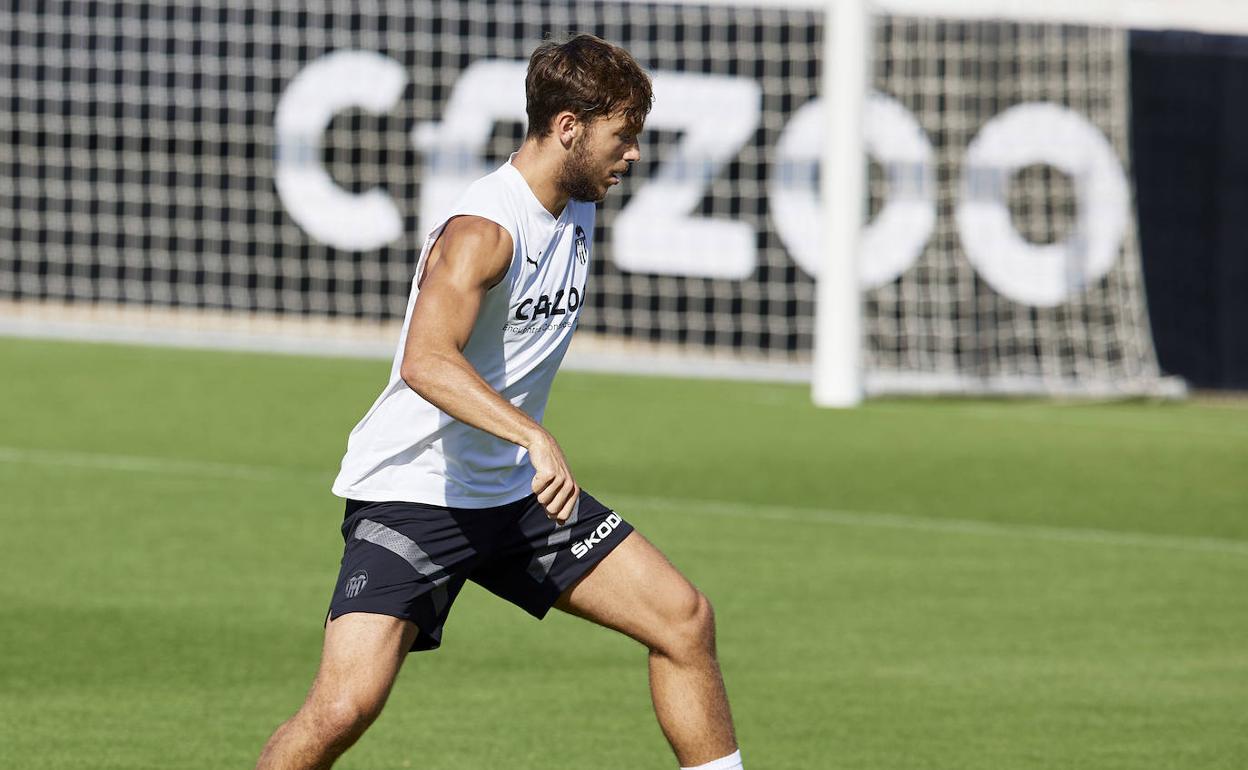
x,y
450,475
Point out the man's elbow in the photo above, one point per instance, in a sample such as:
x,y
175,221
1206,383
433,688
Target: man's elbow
x,y
415,371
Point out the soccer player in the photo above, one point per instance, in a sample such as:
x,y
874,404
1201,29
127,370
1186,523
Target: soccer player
x,y
450,476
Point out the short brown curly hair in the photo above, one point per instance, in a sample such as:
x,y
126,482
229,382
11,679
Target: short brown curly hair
x,y
588,76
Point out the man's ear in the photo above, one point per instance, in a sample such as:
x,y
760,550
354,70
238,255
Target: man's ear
x,y
567,128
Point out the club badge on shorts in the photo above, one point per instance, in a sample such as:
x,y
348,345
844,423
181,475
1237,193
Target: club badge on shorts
x,y
355,584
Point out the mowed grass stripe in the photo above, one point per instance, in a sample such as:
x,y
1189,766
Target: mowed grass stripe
x,y
140,464
132,463
1163,469
880,519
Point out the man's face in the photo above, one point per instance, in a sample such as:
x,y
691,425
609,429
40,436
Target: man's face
x,y
600,156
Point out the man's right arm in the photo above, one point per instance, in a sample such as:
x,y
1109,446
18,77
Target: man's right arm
x,y
471,256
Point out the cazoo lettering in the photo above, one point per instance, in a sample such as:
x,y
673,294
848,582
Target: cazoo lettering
x,y
658,230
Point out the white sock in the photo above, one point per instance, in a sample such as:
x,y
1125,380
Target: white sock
x,y
730,762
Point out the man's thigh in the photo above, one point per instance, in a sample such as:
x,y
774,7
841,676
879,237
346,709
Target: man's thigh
x,y
361,657
634,590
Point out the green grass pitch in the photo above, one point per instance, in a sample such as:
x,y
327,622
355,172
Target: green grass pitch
x,y
961,585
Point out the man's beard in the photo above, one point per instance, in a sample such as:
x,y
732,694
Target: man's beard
x,y
576,176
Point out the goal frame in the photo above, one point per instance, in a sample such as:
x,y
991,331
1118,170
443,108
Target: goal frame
x,y
838,377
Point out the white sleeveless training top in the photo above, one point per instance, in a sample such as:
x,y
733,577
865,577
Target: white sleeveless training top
x,y
406,448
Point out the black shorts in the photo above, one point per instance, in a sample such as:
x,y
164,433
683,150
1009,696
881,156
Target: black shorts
x,y
409,560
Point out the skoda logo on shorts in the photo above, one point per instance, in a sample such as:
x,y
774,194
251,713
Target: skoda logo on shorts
x,y
355,584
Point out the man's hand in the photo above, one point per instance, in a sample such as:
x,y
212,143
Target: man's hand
x,y
553,484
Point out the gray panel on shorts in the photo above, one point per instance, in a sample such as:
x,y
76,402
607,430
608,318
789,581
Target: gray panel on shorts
x,y
539,568
400,545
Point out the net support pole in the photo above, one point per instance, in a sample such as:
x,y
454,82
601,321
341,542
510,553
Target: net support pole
x,y
837,375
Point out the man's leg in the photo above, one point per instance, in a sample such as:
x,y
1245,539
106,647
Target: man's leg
x,y
360,660
636,591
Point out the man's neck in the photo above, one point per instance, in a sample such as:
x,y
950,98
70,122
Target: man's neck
x,y
541,171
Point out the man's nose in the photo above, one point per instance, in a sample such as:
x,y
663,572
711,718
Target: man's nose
x,y
633,153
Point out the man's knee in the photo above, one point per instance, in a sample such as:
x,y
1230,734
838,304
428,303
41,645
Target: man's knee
x,y
344,717
689,630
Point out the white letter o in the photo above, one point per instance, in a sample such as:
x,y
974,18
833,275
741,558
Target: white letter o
x,y
899,233
1042,275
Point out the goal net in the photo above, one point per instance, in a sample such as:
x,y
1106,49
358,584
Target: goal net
x,y
1010,263
262,175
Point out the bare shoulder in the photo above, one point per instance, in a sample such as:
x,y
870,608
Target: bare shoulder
x,y
470,248
478,233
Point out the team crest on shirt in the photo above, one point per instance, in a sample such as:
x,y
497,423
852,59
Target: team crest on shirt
x,y
582,246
